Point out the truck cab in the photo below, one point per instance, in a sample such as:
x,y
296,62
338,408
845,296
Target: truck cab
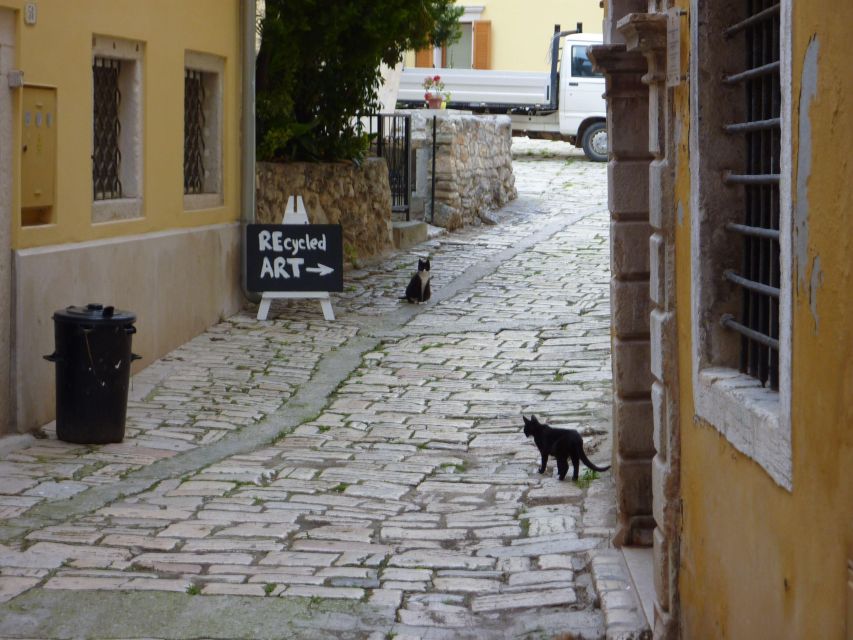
x,y
566,103
583,112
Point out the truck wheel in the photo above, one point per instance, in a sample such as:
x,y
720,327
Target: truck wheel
x,y
595,142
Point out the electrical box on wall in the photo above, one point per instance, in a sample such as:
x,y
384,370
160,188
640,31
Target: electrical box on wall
x,y
38,155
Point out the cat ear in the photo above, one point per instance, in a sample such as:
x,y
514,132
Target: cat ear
x,y
533,418
526,421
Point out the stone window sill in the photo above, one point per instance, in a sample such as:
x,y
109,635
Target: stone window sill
x,y
116,210
198,201
750,417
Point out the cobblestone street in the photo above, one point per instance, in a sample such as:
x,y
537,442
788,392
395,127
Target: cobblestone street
x,y
362,478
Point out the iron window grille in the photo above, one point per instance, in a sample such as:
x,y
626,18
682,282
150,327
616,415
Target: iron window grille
x,y
194,121
759,279
106,154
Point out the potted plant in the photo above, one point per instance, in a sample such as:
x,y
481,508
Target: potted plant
x,y
434,92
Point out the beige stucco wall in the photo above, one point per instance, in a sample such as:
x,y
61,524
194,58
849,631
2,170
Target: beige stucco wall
x,y
521,31
57,52
175,265
177,282
7,60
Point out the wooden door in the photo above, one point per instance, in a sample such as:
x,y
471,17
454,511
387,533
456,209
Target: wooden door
x,y
423,58
482,44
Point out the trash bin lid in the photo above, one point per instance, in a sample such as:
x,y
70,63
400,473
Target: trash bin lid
x,y
94,313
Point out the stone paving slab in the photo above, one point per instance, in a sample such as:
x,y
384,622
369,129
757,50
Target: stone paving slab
x,y
407,505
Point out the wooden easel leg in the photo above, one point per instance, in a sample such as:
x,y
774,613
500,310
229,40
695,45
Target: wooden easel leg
x,y
264,308
326,304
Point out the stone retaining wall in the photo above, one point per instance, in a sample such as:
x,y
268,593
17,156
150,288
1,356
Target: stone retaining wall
x,y
357,197
473,167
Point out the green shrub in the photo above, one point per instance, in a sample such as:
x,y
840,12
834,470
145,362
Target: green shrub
x,y
318,68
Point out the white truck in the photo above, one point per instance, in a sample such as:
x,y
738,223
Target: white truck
x,y
566,103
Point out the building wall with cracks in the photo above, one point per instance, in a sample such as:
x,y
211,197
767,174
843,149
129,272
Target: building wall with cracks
x,y
750,507
762,554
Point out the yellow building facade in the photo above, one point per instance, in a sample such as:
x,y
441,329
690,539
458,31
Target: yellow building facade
x,y
760,557
516,36
122,166
733,425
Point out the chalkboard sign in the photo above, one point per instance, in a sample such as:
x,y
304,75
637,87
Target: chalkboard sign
x,y
294,257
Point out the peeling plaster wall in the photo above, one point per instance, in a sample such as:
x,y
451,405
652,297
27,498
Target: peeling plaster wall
x,y
758,561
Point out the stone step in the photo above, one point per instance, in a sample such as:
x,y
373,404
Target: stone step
x,y
408,234
620,598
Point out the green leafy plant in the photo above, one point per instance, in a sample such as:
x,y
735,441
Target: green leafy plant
x,y
318,69
193,589
446,30
586,478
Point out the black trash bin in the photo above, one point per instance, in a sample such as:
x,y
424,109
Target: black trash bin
x,y
92,356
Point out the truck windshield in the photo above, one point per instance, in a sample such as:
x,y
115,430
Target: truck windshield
x,y
581,65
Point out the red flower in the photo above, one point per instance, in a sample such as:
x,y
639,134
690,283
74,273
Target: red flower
x,y
437,79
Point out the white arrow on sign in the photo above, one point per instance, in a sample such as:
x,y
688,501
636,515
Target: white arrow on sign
x,y
322,269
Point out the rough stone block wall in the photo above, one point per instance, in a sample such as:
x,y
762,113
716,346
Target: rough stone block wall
x,y
473,165
356,197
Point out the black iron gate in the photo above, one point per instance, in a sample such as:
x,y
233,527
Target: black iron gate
x,y
391,138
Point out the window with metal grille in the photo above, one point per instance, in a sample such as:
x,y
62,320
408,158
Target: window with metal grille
x,y
203,132
759,274
194,121
106,154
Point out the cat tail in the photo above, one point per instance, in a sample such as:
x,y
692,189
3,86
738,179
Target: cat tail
x,y
588,463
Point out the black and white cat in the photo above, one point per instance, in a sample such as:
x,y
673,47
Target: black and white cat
x,y
560,443
418,289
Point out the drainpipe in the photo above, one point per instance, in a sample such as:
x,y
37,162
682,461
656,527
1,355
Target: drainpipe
x,y
247,131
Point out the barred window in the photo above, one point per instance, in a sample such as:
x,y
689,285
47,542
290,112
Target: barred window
x,y
741,157
203,75
759,276
106,155
193,131
117,137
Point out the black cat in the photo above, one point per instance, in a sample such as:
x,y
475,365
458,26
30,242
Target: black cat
x,y
418,289
560,443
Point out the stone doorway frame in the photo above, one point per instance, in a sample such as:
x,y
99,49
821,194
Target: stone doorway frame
x,y
646,434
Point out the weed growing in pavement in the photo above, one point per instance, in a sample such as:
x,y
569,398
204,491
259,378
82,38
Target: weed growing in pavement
x,y
340,488
193,589
586,478
524,523
269,587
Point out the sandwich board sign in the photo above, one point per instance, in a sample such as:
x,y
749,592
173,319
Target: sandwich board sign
x,y
294,259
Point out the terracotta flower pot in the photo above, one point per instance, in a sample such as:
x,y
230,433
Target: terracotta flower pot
x,y
434,102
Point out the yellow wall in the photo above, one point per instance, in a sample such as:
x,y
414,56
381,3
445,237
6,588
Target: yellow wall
x,y
758,561
57,52
521,31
